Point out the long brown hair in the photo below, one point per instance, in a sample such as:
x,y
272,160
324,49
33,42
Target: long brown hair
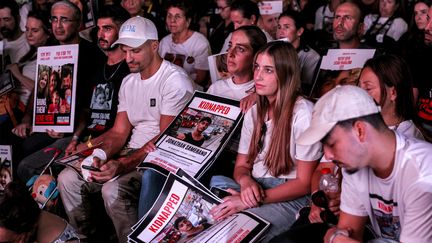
x,y
278,159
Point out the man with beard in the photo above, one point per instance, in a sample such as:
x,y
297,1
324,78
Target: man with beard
x,y
14,41
348,26
65,20
149,99
387,177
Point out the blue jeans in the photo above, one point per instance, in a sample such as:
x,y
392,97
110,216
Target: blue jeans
x,y
151,186
280,215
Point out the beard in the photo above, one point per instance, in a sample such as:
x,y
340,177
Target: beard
x,y
109,48
7,33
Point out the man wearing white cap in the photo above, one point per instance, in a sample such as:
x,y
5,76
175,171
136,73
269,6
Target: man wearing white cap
x,y
387,177
149,99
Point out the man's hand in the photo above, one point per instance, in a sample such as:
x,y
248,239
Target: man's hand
x,y
149,147
108,170
334,202
22,130
231,205
314,214
71,148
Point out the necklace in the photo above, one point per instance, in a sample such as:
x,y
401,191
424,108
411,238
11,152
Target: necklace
x,y
115,71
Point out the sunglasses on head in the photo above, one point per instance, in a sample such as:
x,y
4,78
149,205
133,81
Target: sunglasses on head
x,y
319,198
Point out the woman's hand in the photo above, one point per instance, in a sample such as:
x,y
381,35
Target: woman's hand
x,y
231,205
252,193
247,102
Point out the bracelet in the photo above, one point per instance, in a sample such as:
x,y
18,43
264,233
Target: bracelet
x,y
75,138
338,232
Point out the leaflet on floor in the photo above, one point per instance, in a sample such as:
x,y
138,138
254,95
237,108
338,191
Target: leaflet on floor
x,y
182,214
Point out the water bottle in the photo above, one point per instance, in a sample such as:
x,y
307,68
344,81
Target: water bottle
x,y
328,182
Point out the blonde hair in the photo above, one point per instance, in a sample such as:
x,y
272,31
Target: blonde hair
x,y
278,158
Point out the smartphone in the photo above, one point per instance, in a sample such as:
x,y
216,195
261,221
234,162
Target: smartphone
x,y
220,193
92,168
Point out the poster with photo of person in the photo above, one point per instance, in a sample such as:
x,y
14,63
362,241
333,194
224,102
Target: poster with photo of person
x,y
55,88
218,67
339,67
6,174
182,214
196,136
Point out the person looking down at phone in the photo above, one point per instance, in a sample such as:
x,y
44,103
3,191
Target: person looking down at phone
x,y
149,99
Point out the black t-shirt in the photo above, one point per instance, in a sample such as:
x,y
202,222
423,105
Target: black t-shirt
x,y
104,99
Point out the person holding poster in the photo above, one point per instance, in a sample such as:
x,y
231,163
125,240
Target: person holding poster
x,y
272,173
149,99
65,22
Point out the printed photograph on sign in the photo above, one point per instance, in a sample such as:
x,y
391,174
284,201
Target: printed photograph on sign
x,y
55,88
102,97
199,128
6,174
54,94
340,67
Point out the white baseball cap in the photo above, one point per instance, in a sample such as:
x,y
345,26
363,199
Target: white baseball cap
x,y
136,31
339,104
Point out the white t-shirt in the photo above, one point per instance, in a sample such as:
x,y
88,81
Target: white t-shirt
x,y
165,93
191,55
227,88
399,206
302,115
308,61
408,129
24,10
16,49
324,18
397,28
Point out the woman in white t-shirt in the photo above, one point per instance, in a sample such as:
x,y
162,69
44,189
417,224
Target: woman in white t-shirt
x,y
385,28
187,48
272,172
388,80
244,43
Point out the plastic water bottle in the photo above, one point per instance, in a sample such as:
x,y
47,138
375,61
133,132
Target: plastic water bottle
x,y
328,182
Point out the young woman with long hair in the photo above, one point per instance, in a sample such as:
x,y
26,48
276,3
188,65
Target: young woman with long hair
x,y
272,173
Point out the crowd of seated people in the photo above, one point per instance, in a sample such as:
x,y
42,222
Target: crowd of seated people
x,y
139,64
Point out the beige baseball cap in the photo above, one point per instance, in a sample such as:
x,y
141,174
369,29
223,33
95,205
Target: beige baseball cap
x,y
339,104
136,31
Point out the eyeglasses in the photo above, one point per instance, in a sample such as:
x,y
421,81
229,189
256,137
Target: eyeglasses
x,y
319,198
61,20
